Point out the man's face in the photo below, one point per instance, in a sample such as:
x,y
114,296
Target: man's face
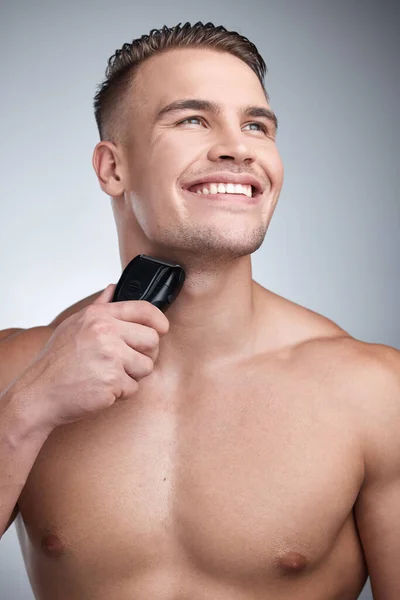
x,y
218,140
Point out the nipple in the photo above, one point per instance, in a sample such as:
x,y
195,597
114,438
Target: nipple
x,y
52,545
293,561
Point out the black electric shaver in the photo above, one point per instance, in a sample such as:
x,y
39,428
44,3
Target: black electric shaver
x,y
151,279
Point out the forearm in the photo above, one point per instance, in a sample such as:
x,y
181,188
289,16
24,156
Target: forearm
x,y
22,434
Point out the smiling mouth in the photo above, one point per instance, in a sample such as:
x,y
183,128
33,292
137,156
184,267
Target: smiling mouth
x,y
225,191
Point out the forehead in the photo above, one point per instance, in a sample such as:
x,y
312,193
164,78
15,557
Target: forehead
x,y
196,73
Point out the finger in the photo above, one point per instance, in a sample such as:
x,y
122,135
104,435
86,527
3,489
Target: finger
x,y
137,365
139,337
129,387
140,311
134,363
106,295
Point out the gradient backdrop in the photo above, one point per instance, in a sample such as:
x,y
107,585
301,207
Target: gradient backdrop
x,y
334,242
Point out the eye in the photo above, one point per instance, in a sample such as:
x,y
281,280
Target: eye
x,y
261,126
189,121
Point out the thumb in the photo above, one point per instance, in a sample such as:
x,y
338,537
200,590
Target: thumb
x,y
106,295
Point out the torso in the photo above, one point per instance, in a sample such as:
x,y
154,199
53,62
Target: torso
x,y
239,486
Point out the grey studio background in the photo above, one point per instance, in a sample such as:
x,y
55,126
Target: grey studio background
x,y
334,241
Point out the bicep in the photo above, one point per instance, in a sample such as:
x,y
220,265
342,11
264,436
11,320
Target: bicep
x,y
377,513
377,509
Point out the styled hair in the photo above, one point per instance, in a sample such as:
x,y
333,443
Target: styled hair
x,y
109,101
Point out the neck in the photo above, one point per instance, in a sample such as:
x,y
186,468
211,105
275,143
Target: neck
x,y
215,317
212,321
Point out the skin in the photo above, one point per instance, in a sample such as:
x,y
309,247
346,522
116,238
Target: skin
x,y
247,464
154,216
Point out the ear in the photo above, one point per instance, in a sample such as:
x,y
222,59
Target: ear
x,y
107,164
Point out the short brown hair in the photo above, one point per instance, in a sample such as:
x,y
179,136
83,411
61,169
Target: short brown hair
x,y
109,98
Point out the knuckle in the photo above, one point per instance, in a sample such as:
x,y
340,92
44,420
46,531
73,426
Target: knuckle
x,y
93,311
111,377
101,326
152,339
147,365
106,355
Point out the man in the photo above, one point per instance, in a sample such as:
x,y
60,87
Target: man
x,y
240,446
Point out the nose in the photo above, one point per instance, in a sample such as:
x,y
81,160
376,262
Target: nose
x,y
232,147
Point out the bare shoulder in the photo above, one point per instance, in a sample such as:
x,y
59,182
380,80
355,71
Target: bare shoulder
x,y
362,379
74,308
19,347
292,326
311,336
370,371
376,386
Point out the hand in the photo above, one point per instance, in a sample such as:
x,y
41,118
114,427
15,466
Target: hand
x,y
95,357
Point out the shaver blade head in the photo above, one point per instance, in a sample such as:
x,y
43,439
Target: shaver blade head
x,y
147,278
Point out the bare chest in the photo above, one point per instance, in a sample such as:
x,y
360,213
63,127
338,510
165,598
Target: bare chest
x,y
247,477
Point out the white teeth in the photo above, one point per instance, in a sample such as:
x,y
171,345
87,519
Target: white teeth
x,y
213,188
226,188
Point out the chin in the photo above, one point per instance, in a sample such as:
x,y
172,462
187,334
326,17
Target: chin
x,y
212,240
220,250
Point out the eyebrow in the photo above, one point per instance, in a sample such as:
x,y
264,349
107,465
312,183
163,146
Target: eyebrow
x,y
208,106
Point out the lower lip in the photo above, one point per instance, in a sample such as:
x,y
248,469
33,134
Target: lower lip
x,y
227,198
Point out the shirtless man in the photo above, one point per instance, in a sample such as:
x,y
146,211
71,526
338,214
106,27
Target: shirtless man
x,y
240,447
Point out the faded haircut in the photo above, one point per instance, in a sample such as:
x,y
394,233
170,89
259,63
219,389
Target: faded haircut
x,y
110,99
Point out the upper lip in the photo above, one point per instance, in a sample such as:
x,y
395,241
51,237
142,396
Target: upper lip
x,y
242,178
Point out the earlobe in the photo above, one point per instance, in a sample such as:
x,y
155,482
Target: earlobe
x,y
106,164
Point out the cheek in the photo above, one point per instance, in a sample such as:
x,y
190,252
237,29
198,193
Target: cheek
x,y
169,157
166,157
273,166
154,174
